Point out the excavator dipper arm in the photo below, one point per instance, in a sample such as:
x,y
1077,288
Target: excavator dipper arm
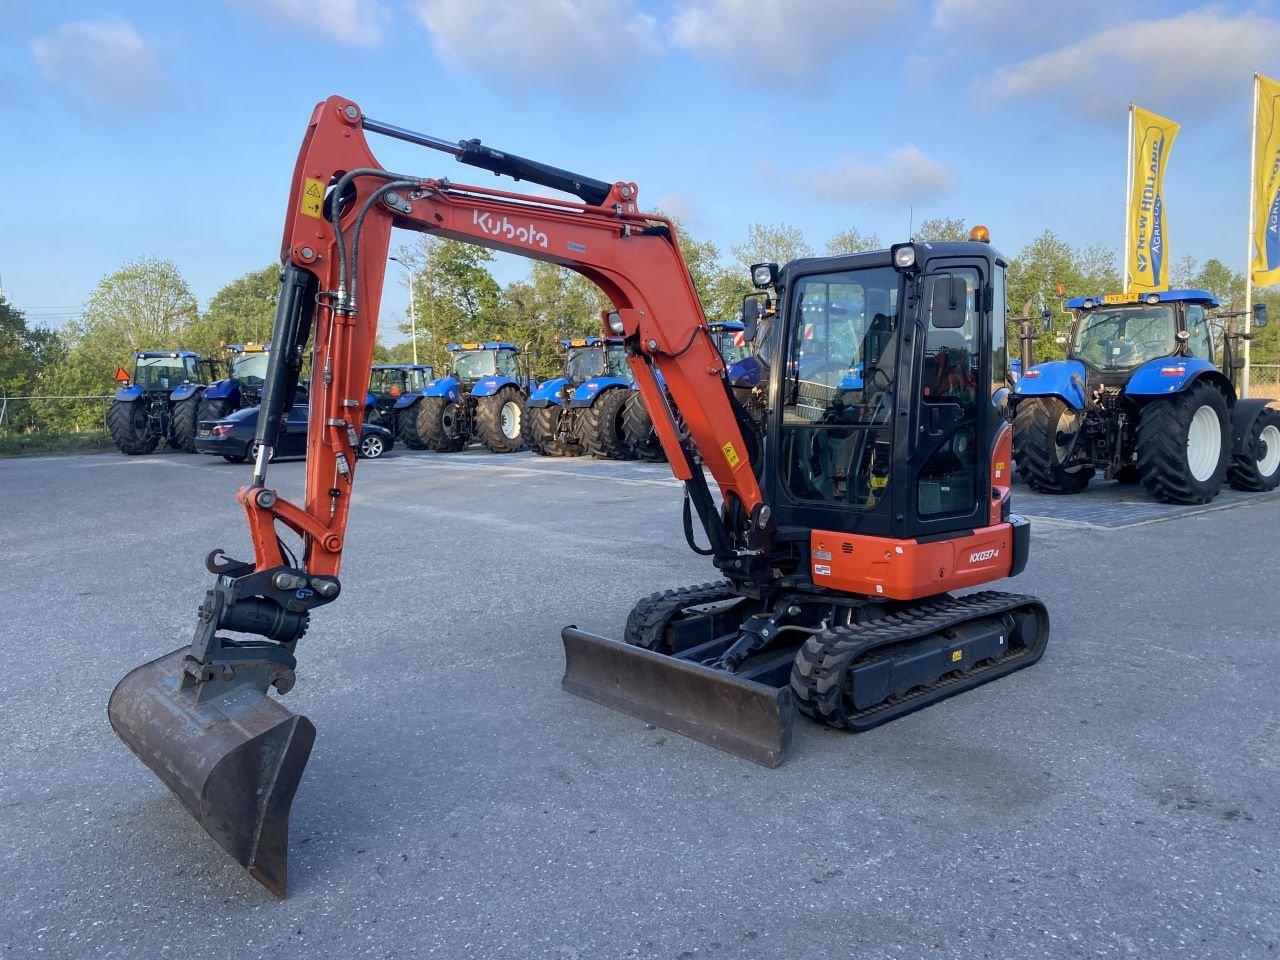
x,y
200,717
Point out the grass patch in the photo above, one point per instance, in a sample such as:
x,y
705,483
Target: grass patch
x,y
43,445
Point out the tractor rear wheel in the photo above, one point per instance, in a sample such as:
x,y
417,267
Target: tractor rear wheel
x,y
130,427
407,426
213,408
438,425
185,416
603,430
1184,444
498,419
541,425
1256,466
637,430
1043,428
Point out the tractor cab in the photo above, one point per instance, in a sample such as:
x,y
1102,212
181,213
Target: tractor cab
x,y
164,372
389,382
730,339
1116,334
588,358
472,362
248,364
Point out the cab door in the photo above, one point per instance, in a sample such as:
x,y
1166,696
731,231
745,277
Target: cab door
x,y
950,363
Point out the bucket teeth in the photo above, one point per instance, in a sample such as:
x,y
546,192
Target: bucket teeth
x,y
742,717
234,761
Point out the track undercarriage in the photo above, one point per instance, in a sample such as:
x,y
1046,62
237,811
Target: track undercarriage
x,y
721,668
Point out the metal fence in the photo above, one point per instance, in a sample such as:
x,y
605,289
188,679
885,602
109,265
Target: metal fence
x,y
1264,380
45,416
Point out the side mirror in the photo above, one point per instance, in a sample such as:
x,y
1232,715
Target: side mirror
x,y
1259,315
750,317
1047,319
947,307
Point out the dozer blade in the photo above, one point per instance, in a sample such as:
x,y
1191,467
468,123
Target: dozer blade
x,y
741,716
234,761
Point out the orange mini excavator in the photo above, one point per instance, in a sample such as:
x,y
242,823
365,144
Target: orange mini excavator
x,y
873,483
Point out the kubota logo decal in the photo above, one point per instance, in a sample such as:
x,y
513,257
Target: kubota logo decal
x,y
981,555
507,230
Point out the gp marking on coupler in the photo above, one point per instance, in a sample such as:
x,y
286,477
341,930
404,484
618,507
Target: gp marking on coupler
x,y
312,198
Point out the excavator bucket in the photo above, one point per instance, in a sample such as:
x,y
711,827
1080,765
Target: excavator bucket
x,y
743,717
234,761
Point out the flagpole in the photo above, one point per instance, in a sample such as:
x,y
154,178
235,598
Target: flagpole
x,y
1253,225
1128,199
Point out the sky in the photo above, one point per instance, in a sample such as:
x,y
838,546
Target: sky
x,y
170,130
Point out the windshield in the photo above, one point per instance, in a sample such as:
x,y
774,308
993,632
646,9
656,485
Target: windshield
x,y
250,368
1121,338
840,326
616,362
584,363
732,346
164,373
474,364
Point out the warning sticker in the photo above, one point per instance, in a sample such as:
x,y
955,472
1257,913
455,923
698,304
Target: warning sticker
x,y
731,454
312,198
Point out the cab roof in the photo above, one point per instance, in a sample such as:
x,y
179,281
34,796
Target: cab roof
x,y
400,366
487,345
1161,296
726,325
153,354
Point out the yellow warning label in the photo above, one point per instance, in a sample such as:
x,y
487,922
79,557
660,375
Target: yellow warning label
x,y
956,655
879,483
312,198
999,464
731,454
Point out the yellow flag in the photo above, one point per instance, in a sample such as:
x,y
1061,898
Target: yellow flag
x,y
1147,259
1266,186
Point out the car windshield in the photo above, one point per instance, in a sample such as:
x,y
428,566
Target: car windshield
x,y
1121,338
474,364
584,363
250,368
163,373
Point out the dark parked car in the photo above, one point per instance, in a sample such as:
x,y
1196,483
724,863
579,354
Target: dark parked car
x,y
232,437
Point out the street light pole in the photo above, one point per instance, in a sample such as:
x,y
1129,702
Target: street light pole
x,y
413,313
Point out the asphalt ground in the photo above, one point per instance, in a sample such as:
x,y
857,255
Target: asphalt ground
x,y
1118,799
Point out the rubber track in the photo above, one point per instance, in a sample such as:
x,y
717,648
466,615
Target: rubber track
x,y
1035,441
1162,445
603,431
822,664
649,617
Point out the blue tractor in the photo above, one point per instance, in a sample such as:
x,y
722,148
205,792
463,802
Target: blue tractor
x,y
480,398
247,371
392,400
1141,399
581,411
637,425
160,401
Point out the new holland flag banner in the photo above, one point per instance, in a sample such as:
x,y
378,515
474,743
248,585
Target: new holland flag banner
x,y
1266,186
1147,258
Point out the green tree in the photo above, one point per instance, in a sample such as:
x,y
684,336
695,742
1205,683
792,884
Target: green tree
x,y
27,356
455,295
244,311
941,229
852,240
145,305
771,244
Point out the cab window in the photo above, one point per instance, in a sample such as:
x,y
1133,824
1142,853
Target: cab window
x,y
1199,338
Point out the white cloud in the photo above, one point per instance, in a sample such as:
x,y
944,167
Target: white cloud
x,y
772,40
590,43
1188,63
354,22
102,63
905,175
676,205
